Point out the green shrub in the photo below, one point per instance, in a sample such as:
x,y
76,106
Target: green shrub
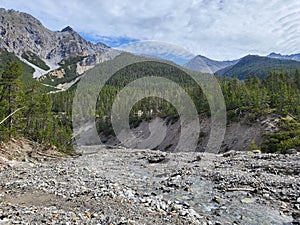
x,y
287,138
253,146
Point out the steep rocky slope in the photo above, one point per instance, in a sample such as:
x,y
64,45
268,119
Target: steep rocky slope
x,y
21,33
238,135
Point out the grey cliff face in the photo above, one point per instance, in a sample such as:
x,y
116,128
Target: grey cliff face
x,y
21,32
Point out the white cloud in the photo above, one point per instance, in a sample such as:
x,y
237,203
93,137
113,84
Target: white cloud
x,y
160,49
220,29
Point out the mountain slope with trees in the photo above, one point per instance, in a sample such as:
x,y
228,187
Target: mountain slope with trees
x,y
247,101
26,111
258,66
254,87
46,118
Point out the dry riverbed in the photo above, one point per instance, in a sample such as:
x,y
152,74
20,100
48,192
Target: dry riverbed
x,y
123,186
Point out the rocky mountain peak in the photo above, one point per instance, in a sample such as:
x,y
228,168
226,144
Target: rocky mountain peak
x,y
274,54
21,32
203,64
67,29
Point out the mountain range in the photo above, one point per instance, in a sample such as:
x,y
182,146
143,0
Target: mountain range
x,y
251,65
295,57
60,57
45,50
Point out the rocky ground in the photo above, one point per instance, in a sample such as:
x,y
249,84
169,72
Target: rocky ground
x,y
122,186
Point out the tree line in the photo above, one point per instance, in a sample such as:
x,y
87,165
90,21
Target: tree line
x,y
46,118
26,111
246,100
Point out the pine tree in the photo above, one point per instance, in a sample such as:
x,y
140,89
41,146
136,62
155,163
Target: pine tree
x,y
11,99
38,112
297,79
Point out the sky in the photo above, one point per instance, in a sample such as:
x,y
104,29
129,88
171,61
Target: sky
x,y
218,29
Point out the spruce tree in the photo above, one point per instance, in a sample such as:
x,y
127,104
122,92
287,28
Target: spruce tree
x,y
297,79
11,99
38,113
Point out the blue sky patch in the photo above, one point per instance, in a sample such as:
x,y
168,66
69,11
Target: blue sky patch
x,y
110,41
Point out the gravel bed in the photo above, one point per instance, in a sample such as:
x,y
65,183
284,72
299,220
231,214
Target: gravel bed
x,y
125,186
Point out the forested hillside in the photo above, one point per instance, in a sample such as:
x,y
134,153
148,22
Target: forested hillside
x,y
26,108
259,66
27,71
246,100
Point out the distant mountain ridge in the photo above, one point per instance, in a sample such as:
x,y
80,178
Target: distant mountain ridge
x,y
295,57
205,65
259,66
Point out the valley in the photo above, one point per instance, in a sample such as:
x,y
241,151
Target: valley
x,y
63,159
